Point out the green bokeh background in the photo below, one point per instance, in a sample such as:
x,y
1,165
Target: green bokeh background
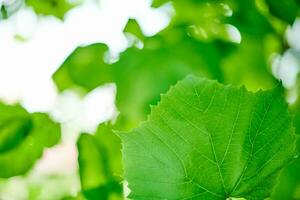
x,y
196,41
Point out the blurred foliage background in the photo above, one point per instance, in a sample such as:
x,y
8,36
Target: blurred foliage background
x,y
254,43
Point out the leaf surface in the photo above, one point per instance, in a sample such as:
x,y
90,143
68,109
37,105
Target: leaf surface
x,y
208,141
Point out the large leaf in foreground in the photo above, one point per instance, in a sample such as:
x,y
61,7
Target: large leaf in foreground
x,y
209,141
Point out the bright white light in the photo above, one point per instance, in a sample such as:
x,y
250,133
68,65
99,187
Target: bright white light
x,y
152,20
293,35
234,33
286,68
98,106
83,114
61,159
26,66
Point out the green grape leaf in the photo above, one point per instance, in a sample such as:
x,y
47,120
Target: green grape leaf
x,y
100,164
208,141
23,137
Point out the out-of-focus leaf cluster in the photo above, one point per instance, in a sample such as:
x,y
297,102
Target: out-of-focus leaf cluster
x,y
192,43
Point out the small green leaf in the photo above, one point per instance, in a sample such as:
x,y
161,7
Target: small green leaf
x,y
208,141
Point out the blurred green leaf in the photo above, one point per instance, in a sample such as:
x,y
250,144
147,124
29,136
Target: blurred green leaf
x,y
248,64
78,197
8,8
133,27
295,107
100,164
23,137
288,183
212,16
286,10
142,74
297,121
15,124
85,67
248,19
45,131
289,180
158,3
57,8
288,186
112,146
3,12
